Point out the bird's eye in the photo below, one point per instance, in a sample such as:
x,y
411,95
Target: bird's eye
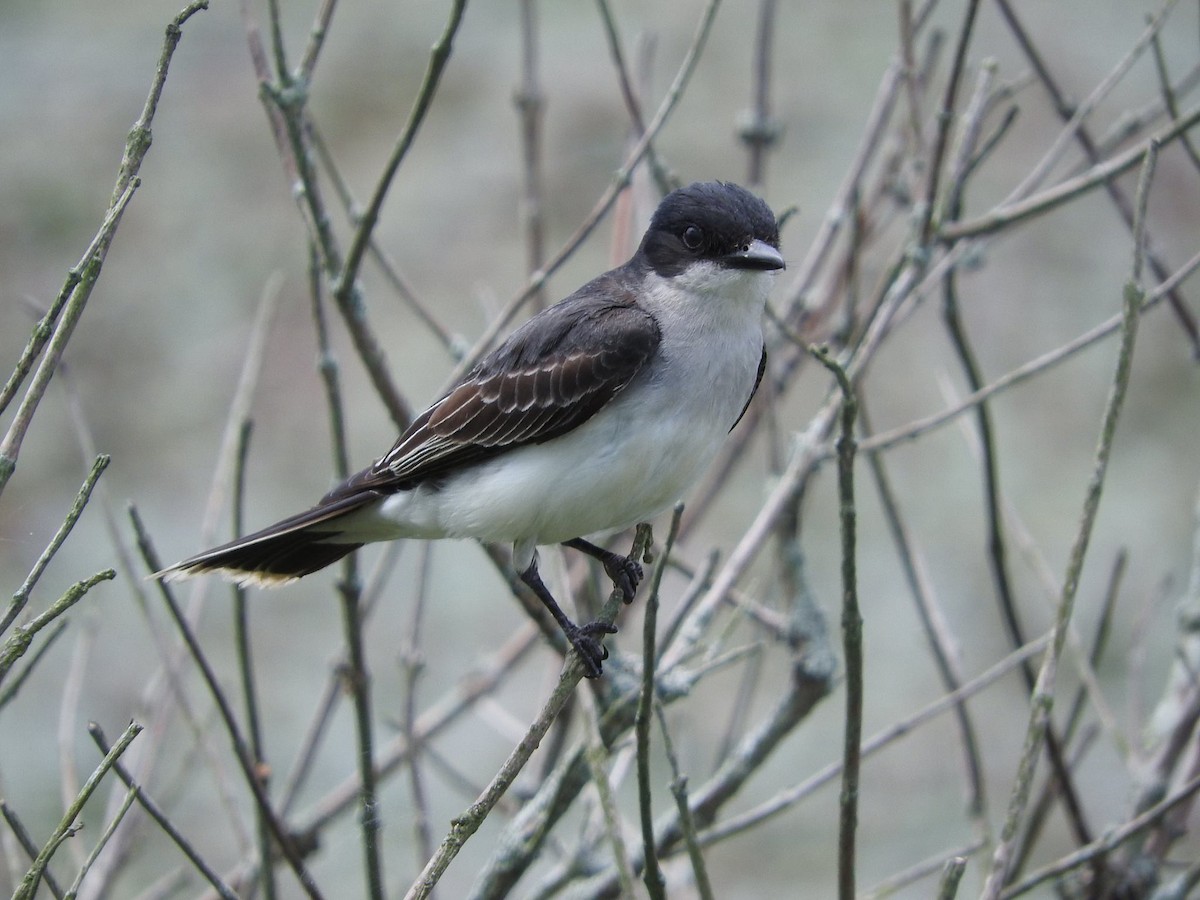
x,y
693,237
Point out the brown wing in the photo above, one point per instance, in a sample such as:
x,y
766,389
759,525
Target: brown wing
x,y
549,377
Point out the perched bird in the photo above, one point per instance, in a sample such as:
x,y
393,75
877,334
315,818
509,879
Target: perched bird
x,y
597,413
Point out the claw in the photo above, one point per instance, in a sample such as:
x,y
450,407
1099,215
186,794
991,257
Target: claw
x,y
591,651
626,575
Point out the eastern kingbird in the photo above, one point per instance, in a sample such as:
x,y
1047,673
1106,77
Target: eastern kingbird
x,y
597,413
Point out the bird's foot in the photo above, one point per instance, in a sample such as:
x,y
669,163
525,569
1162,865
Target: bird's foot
x,y
624,571
589,647
626,574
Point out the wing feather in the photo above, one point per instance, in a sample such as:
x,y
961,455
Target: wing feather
x,y
549,377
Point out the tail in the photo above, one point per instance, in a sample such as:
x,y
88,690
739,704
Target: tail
x,y
291,548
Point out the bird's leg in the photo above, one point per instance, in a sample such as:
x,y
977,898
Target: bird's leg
x,y
624,571
591,651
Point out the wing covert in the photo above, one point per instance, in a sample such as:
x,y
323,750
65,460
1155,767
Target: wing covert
x,y
549,377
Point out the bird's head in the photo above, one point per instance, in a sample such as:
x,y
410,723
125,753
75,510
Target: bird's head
x,y
710,233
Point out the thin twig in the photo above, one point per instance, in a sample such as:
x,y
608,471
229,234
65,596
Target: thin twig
x,y
758,130
344,288
384,260
67,825
1169,100
789,797
284,99
658,169
530,104
316,40
412,663
651,873
437,717
18,643
686,823
596,755
82,279
1102,173
85,274
851,632
951,864
936,632
1084,108
21,596
101,844
808,682
165,696
1066,111
14,685
887,439
1036,820
241,637
997,552
27,844
468,823
286,841
945,121
1105,843
349,588
156,813
1043,696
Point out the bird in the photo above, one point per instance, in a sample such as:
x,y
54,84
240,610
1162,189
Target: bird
x,y
597,413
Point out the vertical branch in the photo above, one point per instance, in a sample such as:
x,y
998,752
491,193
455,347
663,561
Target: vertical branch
x,y
945,119
412,661
530,103
359,686
952,874
241,632
758,130
687,825
277,44
285,97
912,75
596,755
651,873
851,632
1042,700
358,681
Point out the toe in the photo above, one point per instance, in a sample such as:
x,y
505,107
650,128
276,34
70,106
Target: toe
x,y
626,575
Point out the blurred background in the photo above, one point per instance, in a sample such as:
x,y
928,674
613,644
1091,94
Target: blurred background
x,y
150,375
